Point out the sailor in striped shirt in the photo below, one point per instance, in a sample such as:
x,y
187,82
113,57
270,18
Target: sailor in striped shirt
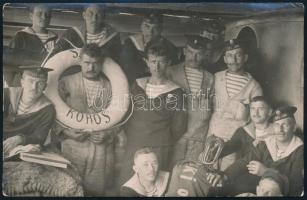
x,y
198,83
28,114
234,88
236,77
34,40
196,54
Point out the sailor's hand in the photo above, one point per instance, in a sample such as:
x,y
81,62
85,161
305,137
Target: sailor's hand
x,y
33,148
76,135
122,139
247,194
11,143
256,142
99,137
256,168
215,179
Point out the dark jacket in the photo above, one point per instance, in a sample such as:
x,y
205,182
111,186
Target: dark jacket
x,y
32,126
156,127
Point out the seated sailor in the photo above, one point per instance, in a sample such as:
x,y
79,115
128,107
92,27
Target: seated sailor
x,y
251,134
282,152
28,113
148,180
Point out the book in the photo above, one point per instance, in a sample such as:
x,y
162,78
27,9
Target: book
x,y
45,158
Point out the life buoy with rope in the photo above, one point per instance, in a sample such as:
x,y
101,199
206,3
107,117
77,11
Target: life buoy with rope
x,y
114,115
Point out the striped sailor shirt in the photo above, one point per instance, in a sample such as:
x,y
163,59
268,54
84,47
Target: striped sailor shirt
x,y
94,90
194,77
43,36
152,91
96,38
235,83
23,108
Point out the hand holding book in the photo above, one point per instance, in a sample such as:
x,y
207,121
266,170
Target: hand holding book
x,y
34,153
11,143
21,148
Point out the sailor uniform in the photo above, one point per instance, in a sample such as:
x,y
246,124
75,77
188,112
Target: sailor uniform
x,y
290,163
133,187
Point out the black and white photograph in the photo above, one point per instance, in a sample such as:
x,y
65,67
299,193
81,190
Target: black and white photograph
x,y
200,99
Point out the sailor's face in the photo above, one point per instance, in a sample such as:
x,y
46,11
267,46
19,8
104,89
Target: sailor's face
x,y
40,16
150,31
260,112
195,57
284,129
146,166
93,17
157,65
90,66
235,59
268,188
33,87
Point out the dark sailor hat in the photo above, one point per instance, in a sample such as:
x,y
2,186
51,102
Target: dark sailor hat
x,y
153,18
35,71
235,44
198,42
211,29
213,26
284,112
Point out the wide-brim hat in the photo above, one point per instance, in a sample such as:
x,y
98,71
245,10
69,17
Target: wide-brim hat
x,y
13,58
35,71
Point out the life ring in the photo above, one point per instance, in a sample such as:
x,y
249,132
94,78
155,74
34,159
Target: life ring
x,y
71,118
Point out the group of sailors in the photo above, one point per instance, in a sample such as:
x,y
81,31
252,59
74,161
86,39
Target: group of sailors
x,y
177,105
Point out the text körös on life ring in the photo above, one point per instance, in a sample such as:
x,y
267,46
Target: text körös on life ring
x,y
70,117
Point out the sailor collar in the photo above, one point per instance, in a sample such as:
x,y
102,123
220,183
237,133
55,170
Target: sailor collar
x,y
29,30
270,142
169,85
161,184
